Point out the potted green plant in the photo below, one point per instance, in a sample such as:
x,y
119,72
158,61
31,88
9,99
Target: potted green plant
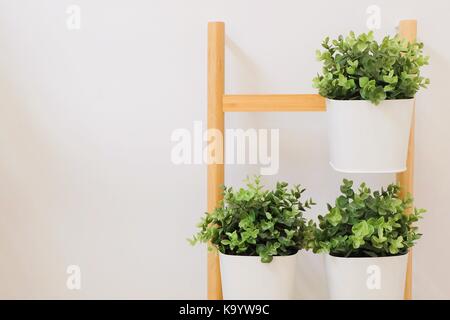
x,y
367,236
369,87
258,233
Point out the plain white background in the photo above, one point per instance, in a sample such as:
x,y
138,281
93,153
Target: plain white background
x,y
85,123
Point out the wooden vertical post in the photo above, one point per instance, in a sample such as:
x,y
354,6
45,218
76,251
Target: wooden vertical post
x,y
216,80
408,30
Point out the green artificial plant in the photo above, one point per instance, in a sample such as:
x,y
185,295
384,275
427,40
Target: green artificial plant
x,y
363,223
253,221
360,68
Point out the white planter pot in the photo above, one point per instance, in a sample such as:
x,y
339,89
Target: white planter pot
x,y
364,137
246,278
381,278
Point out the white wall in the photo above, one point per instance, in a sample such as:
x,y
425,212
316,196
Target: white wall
x,y
85,124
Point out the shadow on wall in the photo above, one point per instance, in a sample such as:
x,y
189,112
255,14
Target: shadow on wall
x,y
27,245
432,171
246,75
247,72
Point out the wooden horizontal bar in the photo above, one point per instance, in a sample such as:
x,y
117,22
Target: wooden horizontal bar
x,y
274,103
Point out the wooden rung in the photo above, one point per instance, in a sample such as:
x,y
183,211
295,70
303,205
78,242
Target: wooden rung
x,y
274,103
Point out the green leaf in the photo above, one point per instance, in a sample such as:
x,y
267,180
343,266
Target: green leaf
x,y
363,81
334,217
362,46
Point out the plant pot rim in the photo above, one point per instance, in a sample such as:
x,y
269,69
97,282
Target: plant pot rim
x,y
390,170
368,101
367,258
255,257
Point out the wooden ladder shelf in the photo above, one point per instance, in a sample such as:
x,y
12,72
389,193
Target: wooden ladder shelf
x,y
219,103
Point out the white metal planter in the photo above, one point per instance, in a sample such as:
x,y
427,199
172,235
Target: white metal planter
x,y
364,137
245,277
380,278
